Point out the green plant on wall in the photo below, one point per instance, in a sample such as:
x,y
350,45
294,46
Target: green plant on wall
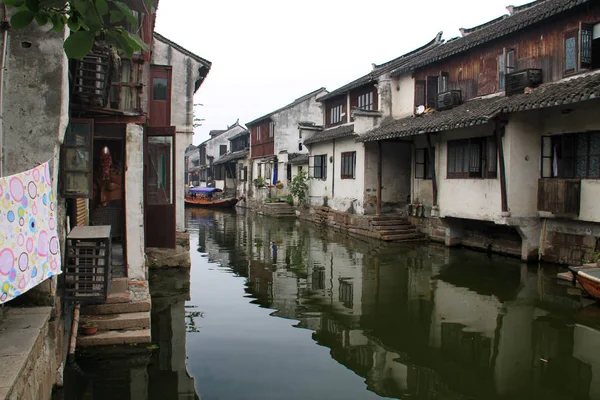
x,y
259,182
298,187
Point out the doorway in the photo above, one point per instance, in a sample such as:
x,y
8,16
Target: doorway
x,y
107,205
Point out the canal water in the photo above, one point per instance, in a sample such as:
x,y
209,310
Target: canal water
x,y
281,309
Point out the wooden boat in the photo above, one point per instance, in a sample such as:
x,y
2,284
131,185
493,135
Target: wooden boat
x,y
589,279
208,197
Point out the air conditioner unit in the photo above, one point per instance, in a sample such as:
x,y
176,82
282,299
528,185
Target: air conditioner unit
x,y
449,99
516,82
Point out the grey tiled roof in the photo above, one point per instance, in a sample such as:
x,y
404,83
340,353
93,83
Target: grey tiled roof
x,y
332,133
524,17
242,133
384,68
231,156
298,158
482,110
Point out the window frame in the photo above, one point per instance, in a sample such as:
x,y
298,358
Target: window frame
x,y
322,167
348,165
221,148
333,113
426,169
271,129
65,171
561,143
475,156
365,102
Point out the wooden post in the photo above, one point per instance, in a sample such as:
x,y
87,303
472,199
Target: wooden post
x,y
430,152
379,168
73,338
499,129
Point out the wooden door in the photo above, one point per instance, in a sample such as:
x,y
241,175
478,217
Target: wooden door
x,y
160,95
159,187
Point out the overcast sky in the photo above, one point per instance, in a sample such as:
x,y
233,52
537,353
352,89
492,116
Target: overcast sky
x,y
266,53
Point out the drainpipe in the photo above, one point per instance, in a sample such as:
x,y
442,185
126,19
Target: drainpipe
x,y
5,27
333,173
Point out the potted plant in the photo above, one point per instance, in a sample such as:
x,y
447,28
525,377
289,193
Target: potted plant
x,y
259,182
279,185
89,328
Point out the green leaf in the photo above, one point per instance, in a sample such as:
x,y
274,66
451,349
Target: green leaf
x,y
116,16
33,5
21,19
41,17
14,3
58,24
126,11
81,6
139,43
53,3
102,7
79,44
73,23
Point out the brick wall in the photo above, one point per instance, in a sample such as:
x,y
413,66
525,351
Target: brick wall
x,y
567,248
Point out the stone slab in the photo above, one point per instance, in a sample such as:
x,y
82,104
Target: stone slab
x,y
117,308
20,335
111,338
132,321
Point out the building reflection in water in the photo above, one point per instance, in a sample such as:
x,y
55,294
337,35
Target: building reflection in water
x,y
139,372
419,321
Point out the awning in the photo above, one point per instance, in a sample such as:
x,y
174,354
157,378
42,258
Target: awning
x,y
205,190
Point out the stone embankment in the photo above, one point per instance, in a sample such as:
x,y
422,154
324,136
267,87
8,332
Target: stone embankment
x,y
389,228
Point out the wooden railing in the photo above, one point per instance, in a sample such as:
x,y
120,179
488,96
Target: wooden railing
x,y
559,196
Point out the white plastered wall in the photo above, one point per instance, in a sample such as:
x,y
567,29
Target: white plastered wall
x,y
134,202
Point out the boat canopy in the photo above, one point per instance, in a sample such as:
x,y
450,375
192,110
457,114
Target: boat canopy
x,y
205,190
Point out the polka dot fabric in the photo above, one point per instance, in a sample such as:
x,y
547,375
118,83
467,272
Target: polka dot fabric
x,y
29,246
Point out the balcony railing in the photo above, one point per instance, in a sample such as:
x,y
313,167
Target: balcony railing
x,y
559,196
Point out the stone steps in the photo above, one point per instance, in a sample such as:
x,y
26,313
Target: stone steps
x,y
390,222
111,338
116,308
403,237
127,321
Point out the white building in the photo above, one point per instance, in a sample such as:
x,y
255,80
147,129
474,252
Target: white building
x,y
276,137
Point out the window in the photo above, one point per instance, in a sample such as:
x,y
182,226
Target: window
x,y
579,49
348,165
472,158
159,88
258,133
267,171
571,156
76,160
506,65
335,114
219,172
271,129
443,82
365,101
222,149
289,172
320,166
423,167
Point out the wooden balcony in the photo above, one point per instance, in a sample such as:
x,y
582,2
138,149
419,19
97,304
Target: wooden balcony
x,y
559,196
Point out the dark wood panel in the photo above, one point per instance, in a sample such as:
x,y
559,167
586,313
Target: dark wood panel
x,y
263,149
475,71
559,196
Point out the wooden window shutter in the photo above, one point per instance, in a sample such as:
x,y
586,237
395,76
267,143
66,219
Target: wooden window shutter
x,y
76,159
432,91
420,93
420,163
547,157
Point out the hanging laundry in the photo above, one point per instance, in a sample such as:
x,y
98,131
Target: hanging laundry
x,y
29,245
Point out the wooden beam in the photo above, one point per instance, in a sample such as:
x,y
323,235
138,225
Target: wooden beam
x,y
430,152
499,130
379,171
